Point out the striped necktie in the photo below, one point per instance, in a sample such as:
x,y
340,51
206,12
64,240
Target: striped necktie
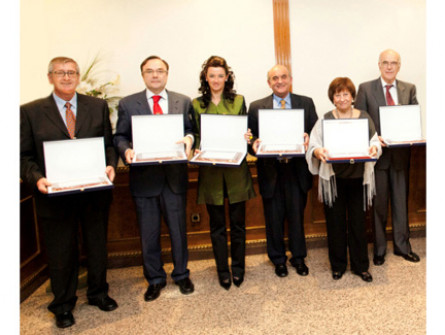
x,y
70,120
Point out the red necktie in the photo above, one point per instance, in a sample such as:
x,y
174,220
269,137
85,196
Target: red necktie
x,y
70,120
156,108
389,100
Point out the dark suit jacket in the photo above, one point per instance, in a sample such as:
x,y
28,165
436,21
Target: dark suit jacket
x,y
267,171
148,181
369,98
41,121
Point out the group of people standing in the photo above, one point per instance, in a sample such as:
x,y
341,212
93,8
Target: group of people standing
x,y
160,190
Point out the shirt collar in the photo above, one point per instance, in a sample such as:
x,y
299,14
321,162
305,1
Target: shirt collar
x,y
384,83
150,94
277,100
61,103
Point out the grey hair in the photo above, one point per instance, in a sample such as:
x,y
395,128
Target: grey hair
x,y
61,60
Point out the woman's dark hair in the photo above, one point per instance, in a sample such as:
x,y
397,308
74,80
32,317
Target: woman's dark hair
x,y
228,93
339,84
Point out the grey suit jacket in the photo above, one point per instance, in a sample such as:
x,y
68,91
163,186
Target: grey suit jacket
x,y
369,98
148,181
267,169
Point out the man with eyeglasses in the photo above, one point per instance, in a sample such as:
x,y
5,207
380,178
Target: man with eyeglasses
x,y
47,120
283,182
392,168
158,190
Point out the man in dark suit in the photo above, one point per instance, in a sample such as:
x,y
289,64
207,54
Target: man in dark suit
x,y
283,183
392,168
45,120
158,189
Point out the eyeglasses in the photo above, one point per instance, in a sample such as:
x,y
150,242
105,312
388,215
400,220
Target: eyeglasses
x,y
386,64
151,72
61,74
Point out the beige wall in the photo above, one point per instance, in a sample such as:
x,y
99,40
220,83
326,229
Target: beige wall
x,y
328,39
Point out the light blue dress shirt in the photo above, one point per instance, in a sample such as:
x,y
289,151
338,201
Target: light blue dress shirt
x,y
61,106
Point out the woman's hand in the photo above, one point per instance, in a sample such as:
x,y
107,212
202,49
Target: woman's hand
x,y
373,151
321,154
256,145
248,136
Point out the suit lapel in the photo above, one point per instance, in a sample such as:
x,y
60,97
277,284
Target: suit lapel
x,y
142,106
377,93
82,114
52,113
173,106
402,95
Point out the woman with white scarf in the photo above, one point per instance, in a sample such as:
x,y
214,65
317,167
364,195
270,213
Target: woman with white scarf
x,y
345,189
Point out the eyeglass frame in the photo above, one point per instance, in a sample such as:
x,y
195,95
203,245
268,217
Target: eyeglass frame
x,y
386,64
157,71
61,74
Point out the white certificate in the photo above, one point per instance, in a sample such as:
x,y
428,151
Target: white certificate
x,y
155,137
346,140
401,125
222,140
75,165
281,132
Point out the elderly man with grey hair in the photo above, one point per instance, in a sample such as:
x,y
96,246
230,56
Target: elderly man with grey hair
x,y
392,169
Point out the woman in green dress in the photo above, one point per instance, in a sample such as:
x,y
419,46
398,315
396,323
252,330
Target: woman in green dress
x,y
217,183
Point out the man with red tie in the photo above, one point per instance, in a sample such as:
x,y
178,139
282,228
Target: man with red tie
x,y
392,168
158,190
63,115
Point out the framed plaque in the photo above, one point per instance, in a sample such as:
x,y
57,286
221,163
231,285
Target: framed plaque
x,y
281,132
222,140
76,165
346,140
401,126
155,137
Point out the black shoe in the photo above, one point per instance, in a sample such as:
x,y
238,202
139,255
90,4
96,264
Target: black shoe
x,y
411,256
302,269
238,280
185,286
64,320
106,303
366,276
337,275
153,291
225,282
281,270
378,260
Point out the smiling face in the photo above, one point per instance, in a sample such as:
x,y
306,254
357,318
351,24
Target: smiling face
x,y
216,77
155,75
65,78
389,65
343,101
279,80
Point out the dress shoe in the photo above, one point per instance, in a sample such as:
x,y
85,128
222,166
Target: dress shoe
x,y
337,275
153,291
378,260
106,303
281,270
225,282
185,286
64,320
302,269
238,280
366,276
411,256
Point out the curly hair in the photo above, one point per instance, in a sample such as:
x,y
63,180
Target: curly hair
x,y
228,93
340,84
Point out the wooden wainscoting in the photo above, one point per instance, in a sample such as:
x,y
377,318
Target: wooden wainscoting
x,y
123,233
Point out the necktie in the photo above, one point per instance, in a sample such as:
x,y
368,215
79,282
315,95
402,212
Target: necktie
x,y
389,100
70,120
156,108
283,103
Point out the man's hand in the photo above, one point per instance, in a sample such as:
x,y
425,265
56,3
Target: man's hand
x,y
187,140
109,170
42,185
129,154
382,142
256,145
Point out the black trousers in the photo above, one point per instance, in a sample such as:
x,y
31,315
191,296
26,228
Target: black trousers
x,y
218,235
149,213
346,227
288,202
90,212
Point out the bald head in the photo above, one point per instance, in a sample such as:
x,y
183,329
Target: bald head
x,y
279,80
389,65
